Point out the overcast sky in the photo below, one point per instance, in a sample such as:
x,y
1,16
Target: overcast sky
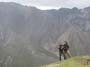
x,y
49,4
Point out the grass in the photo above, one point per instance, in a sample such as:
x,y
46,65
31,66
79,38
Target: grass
x,y
82,61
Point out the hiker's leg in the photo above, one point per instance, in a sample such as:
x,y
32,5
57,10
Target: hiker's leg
x,y
68,53
60,54
64,55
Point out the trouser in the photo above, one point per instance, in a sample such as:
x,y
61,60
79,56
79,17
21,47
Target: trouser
x,y
61,54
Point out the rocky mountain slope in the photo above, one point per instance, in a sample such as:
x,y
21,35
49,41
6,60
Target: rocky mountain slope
x,y
28,36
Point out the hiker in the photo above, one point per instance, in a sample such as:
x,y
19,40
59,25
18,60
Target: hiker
x,y
66,49
61,52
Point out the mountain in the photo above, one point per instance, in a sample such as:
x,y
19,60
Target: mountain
x,y
28,36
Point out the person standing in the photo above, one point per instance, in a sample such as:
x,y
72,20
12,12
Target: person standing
x,y
66,49
61,52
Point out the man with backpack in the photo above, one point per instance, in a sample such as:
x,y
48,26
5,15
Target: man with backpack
x,y
64,50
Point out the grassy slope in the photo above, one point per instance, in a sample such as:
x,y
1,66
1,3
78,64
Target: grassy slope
x,y
83,61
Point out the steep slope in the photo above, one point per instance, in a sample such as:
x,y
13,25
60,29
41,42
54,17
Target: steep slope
x,y
78,41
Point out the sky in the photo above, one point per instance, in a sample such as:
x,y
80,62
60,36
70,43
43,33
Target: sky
x,y
52,4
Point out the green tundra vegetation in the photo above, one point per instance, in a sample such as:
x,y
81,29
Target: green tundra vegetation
x,y
81,61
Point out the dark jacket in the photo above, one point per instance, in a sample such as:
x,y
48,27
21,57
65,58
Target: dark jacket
x,y
66,46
